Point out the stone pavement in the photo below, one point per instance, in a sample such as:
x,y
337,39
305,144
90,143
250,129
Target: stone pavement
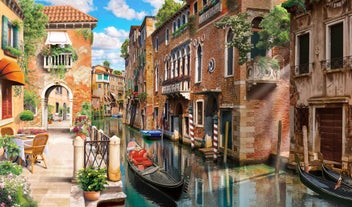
x,y
51,187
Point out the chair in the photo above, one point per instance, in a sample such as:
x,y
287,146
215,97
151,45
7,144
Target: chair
x,y
35,152
7,131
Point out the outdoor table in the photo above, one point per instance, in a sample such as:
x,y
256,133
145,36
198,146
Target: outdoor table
x,y
25,142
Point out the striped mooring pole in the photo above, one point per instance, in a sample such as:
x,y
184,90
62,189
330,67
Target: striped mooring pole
x,y
191,132
215,137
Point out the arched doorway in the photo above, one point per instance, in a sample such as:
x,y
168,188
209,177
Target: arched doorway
x,y
62,99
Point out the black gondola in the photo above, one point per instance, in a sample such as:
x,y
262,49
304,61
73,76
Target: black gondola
x,y
334,176
154,175
324,187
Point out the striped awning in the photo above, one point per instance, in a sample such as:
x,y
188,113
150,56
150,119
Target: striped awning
x,y
10,70
58,38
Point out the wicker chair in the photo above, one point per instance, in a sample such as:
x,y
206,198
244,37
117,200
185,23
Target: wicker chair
x,y
35,152
7,131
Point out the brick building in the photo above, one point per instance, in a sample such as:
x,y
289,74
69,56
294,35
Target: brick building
x,y
321,81
108,88
197,79
63,60
201,75
11,75
140,76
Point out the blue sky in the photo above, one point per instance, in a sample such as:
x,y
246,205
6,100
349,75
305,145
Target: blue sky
x,y
115,17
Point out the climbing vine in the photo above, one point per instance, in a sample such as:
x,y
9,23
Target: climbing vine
x,y
241,29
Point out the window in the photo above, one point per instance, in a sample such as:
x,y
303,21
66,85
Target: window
x,y
230,51
156,79
178,23
156,45
335,42
167,36
302,56
100,77
183,19
10,34
166,70
204,2
6,102
99,85
195,7
175,27
199,113
188,60
106,77
199,65
255,38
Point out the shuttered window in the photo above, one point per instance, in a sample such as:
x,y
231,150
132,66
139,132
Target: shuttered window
x,y
6,91
10,34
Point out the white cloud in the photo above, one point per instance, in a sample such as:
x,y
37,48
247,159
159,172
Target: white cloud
x,y
112,56
109,39
82,5
120,9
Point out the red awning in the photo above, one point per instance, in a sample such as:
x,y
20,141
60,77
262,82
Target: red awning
x,y
11,71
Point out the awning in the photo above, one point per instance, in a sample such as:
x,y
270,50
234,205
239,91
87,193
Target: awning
x,y
113,96
58,38
11,71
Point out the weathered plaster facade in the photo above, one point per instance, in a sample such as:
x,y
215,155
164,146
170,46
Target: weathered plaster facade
x,y
321,81
77,77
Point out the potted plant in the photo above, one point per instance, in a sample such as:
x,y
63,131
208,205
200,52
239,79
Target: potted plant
x,y
26,115
92,181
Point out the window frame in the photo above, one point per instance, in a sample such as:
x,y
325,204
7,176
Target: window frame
x,y
199,123
226,70
328,39
297,54
199,63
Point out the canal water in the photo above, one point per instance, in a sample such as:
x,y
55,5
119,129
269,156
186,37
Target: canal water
x,y
208,183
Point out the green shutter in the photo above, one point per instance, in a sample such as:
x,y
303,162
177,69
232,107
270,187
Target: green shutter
x,y
16,38
5,29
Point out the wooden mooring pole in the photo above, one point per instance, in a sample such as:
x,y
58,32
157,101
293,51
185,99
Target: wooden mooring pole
x,y
226,141
278,148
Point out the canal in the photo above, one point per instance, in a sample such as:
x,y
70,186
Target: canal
x,y
208,183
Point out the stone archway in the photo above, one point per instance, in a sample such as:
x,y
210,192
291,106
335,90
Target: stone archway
x,y
44,102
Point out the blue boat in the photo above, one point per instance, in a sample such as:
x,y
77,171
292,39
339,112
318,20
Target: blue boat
x,y
151,134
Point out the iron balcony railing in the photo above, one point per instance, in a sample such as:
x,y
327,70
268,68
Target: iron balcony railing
x,y
336,63
210,10
64,59
96,150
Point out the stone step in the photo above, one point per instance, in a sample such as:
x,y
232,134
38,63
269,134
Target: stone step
x,y
112,194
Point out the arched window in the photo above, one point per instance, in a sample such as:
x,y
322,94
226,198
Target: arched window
x,y
230,52
199,65
167,36
188,68
255,38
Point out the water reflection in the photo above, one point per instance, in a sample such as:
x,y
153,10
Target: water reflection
x,y
207,183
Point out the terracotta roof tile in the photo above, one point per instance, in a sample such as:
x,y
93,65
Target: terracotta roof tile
x,y
57,14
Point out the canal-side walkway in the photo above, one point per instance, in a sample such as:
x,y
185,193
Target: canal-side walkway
x,y
51,187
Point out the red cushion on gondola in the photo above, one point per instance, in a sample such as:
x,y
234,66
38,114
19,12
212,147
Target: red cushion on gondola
x,y
147,163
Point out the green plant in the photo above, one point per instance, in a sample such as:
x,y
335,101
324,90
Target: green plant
x,y
12,149
26,115
180,30
192,25
15,191
232,4
8,167
298,6
142,96
14,51
241,29
30,100
91,179
87,34
59,71
265,63
275,29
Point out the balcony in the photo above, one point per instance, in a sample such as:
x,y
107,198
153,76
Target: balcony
x,y
63,59
209,10
262,73
174,88
336,64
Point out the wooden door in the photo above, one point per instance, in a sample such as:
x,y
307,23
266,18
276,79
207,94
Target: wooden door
x,y
330,122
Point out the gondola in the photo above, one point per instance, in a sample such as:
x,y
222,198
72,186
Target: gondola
x,y
324,187
334,176
151,134
151,173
